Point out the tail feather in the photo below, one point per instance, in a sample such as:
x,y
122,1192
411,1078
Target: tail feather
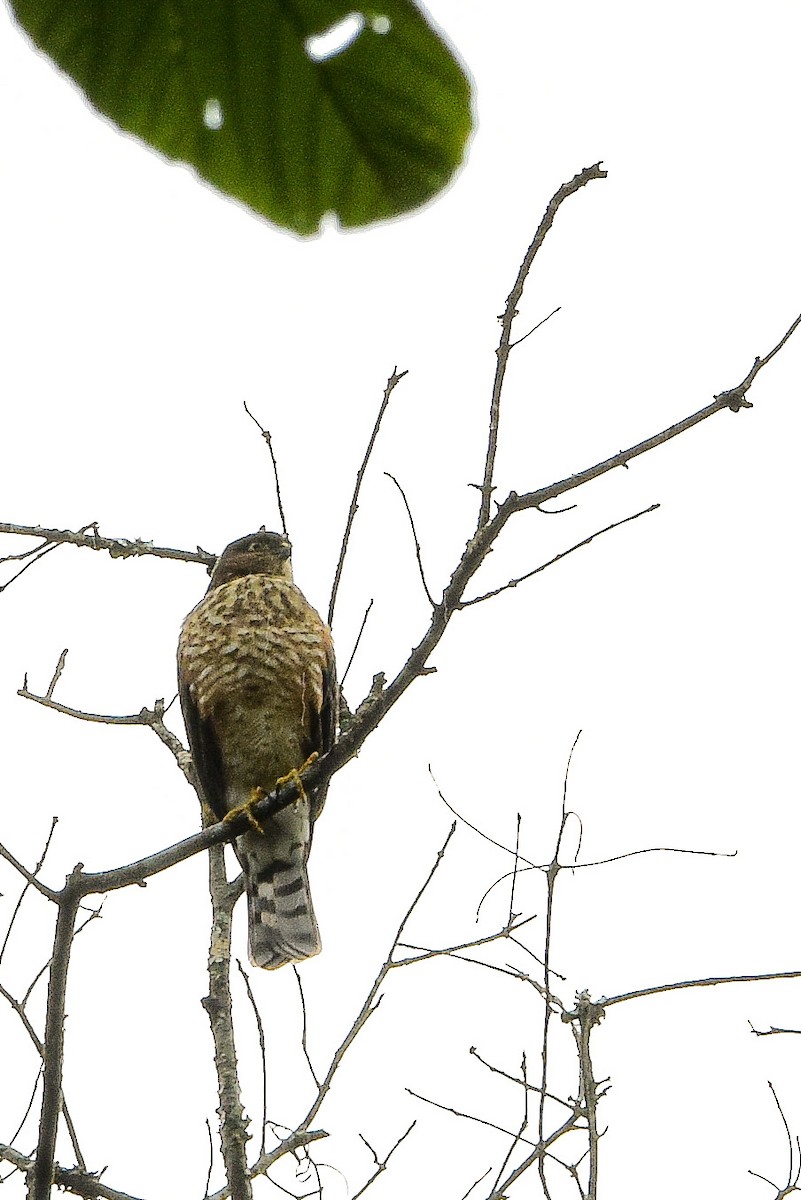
x,y
281,922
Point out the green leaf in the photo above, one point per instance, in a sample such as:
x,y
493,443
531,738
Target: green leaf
x,y
243,91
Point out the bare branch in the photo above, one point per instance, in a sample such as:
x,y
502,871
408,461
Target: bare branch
x,y
263,1052
233,1123
734,399
28,1109
116,547
455,951
24,891
79,1183
304,1033
373,999
500,846
540,1150
211,1159
551,874
534,328
602,862
265,433
381,1165
57,673
530,1087
769,1032
586,1016
19,1009
41,1179
556,558
153,718
30,876
509,314
471,1117
694,983
793,1176
416,540
355,645
392,382
523,1125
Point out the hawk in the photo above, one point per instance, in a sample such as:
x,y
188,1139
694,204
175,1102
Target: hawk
x,y
258,690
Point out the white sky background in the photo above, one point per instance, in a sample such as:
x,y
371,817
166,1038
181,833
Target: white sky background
x,y
140,309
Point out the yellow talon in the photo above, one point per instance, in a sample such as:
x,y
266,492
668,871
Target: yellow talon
x,y
246,809
258,793
294,776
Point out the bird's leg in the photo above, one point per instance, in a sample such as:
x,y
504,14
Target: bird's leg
x,y
258,793
246,809
294,776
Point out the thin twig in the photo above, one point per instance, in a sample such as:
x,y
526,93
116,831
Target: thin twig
x,y
552,872
381,1165
392,382
24,891
265,433
304,1032
19,1008
455,951
57,673
534,328
556,558
470,1117
500,846
372,999
211,1159
29,1107
153,718
530,1087
40,887
787,1131
795,1150
518,1137
570,1123
602,862
356,645
263,1051
416,539
514,871
510,312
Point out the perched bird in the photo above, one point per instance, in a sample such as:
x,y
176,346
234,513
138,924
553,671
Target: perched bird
x,y
258,690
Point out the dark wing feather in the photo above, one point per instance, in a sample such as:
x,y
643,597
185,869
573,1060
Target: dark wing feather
x,y
205,753
325,729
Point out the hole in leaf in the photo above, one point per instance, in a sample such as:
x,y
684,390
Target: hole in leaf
x,y
213,114
380,24
333,41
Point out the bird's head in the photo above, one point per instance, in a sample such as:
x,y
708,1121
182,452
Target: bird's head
x,y
259,553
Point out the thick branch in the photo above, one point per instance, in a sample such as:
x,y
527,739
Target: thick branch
x,y
234,1134
40,1179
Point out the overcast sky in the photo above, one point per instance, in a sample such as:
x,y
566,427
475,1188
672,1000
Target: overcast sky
x,y
140,309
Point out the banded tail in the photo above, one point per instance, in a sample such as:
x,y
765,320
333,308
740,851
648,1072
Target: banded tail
x,y
281,924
